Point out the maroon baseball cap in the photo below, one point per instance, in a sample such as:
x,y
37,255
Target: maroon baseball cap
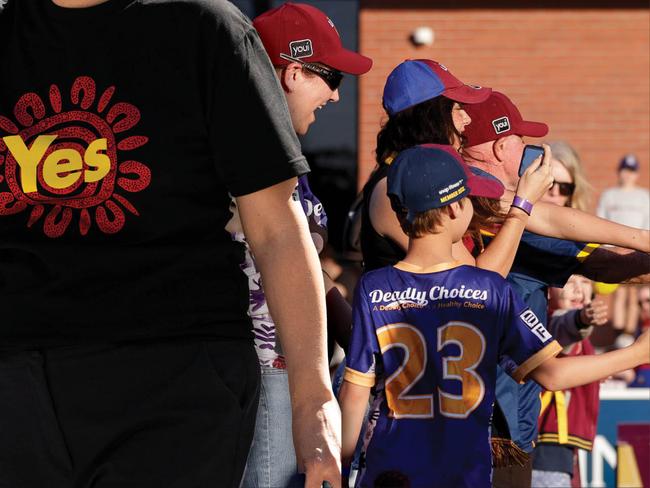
x,y
480,183
304,32
498,117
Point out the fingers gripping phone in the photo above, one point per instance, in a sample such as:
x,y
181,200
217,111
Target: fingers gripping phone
x,y
531,153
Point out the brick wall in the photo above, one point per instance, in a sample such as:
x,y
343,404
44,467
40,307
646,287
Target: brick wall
x,y
585,72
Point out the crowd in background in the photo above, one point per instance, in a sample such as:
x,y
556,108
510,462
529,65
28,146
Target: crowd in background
x,y
627,307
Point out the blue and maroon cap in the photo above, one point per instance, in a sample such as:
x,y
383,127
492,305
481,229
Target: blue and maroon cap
x,y
418,80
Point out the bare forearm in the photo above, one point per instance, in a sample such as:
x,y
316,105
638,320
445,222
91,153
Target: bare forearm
x,y
500,253
354,402
294,289
568,223
567,372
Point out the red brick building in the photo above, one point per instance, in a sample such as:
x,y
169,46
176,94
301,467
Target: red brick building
x,y
584,71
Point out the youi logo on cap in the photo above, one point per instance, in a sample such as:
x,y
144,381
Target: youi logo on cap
x,y
501,125
301,49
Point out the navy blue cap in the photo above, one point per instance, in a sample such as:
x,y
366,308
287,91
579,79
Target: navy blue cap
x,y
629,162
427,176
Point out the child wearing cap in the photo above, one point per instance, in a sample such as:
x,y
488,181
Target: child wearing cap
x,y
428,334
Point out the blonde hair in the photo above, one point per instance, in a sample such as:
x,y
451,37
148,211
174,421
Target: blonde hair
x,y
567,155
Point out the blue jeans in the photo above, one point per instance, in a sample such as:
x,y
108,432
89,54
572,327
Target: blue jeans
x,y
272,459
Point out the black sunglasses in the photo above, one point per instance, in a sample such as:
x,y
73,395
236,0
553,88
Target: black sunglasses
x,y
565,189
332,77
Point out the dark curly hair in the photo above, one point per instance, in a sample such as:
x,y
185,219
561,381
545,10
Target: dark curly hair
x,y
429,122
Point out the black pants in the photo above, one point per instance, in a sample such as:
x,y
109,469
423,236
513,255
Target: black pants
x,y
513,476
172,414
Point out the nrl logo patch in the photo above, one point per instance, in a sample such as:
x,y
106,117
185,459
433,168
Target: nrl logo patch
x,y
301,49
535,325
501,125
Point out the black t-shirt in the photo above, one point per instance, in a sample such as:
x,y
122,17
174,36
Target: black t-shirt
x,y
123,127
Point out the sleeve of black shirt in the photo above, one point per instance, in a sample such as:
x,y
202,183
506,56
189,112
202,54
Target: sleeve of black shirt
x,y
252,138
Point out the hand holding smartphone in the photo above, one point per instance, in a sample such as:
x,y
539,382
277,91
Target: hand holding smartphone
x,y
531,153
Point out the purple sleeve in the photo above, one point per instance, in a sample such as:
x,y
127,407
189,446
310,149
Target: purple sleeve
x,y
525,343
360,361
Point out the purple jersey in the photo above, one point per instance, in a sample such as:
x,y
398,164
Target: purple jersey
x,y
429,344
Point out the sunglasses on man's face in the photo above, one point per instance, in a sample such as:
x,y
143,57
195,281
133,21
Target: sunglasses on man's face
x,y
331,76
564,189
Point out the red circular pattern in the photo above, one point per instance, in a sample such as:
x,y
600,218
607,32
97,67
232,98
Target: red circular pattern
x,y
76,127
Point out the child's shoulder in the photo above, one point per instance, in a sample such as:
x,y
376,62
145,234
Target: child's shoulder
x,y
481,274
376,275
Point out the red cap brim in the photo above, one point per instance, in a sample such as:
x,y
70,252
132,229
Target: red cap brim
x,y
531,129
484,187
348,62
468,94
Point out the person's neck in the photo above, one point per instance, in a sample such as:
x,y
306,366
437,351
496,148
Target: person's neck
x,y
629,187
77,3
498,171
429,251
478,158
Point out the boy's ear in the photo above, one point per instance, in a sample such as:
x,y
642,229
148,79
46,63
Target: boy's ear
x,y
453,210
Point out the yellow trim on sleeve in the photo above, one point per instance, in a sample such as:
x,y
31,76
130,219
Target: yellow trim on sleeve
x,y
550,350
586,251
358,378
487,233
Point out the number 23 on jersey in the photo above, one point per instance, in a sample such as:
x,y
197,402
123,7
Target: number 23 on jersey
x,y
462,367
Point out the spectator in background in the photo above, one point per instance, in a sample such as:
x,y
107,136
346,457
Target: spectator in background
x,y
570,188
568,419
627,204
642,379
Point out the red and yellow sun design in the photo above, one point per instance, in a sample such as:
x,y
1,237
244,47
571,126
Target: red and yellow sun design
x,y
86,200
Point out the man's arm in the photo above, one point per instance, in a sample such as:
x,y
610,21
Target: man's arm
x,y
568,223
616,265
556,374
278,234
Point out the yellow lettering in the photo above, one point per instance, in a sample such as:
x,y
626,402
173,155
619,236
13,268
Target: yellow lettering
x,y
28,159
100,162
53,168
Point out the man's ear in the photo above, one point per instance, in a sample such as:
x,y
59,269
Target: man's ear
x,y
499,149
290,76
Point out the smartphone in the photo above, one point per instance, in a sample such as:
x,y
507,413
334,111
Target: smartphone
x,y
531,153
